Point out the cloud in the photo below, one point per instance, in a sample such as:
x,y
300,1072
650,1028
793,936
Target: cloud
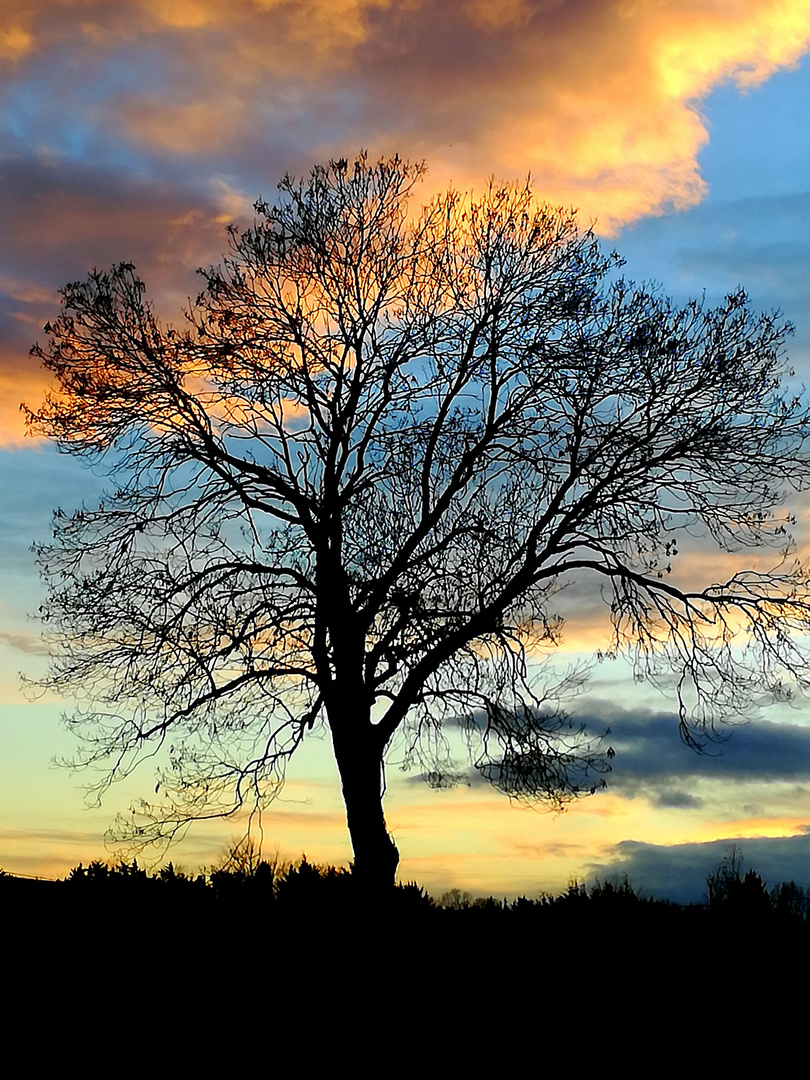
x,y
676,800
599,100
62,217
652,762
26,643
651,757
15,42
58,223
136,132
678,872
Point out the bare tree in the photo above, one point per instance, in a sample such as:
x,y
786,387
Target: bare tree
x,y
348,490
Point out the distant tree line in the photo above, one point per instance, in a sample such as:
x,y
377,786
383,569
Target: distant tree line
x,y
244,877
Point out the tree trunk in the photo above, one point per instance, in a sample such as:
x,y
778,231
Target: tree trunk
x,y
375,853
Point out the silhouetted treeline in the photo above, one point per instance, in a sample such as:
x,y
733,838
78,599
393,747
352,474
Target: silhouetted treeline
x,y
245,879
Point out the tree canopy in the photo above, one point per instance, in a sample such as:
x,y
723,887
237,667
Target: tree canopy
x,y
347,490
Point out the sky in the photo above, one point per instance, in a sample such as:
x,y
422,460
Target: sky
x,y
137,131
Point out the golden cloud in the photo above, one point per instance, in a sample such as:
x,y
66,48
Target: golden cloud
x,y
15,42
599,100
498,14
15,386
600,103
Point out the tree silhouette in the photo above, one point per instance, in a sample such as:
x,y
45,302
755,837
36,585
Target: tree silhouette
x,y
733,892
348,490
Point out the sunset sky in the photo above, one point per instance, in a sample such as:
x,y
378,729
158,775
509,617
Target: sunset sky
x,y
137,130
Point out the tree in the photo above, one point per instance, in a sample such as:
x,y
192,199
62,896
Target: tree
x,y
731,891
348,490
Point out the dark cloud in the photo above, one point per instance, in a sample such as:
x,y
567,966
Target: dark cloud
x,y
61,219
651,758
653,762
671,799
678,872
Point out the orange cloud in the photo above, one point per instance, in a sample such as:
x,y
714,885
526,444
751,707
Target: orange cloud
x,y
599,100
15,42
58,224
16,386
600,103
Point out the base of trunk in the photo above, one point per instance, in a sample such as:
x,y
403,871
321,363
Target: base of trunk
x,y
375,865
375,854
